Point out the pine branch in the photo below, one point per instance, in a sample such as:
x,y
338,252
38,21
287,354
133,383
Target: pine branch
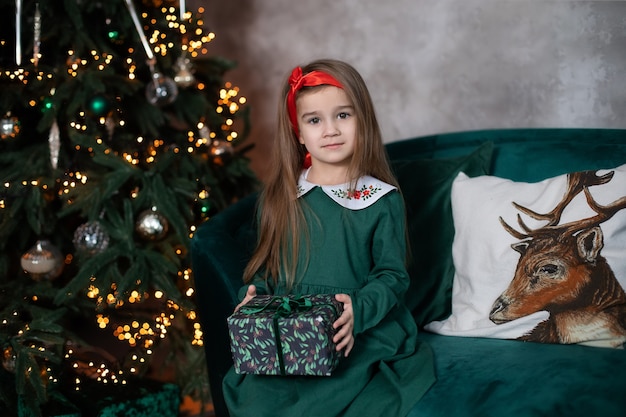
x,y
119,156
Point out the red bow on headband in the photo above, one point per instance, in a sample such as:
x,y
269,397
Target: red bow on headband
x,y
297,81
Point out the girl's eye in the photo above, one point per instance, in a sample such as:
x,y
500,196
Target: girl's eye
x,y
314,120
343,115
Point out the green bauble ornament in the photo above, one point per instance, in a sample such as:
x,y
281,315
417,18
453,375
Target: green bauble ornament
x,y
114,32
99,105
46,104
115,36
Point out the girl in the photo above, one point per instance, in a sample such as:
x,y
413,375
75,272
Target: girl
x,y
335,227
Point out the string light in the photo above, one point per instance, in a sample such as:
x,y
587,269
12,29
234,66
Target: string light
x,y
24,76
141,334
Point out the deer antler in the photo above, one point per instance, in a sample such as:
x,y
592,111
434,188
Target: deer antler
x,y
604,213
514,232
576,183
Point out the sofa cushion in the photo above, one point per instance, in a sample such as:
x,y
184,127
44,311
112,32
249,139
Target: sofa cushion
x,y
490,377
426,184
570,278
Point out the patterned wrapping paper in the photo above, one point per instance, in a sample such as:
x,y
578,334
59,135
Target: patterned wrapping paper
x,y
285,335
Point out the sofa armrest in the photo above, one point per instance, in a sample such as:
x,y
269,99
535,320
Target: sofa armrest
x,y
230,234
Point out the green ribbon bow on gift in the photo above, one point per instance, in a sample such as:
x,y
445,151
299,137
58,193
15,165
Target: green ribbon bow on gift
x,y
282,306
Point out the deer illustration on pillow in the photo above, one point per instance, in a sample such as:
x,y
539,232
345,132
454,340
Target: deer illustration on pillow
x,y
561,271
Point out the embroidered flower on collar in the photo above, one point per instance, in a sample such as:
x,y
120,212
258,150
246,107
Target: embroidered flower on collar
x,y
364,192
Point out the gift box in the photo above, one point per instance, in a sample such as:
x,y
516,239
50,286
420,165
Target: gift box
x,y
285,335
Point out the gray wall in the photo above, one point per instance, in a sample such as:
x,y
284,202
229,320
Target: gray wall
x,y
435,65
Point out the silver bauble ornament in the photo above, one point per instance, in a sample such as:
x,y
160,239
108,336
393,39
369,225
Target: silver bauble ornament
x,y
184,75
9,126
151,225
221,152
43,261
9,359
91,238
162,90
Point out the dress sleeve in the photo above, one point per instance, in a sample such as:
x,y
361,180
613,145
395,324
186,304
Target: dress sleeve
x,y
261,287
388,279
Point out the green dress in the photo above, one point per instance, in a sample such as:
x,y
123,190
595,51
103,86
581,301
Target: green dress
x,y
357,246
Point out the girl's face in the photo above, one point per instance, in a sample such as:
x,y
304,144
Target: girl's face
x,y
327,125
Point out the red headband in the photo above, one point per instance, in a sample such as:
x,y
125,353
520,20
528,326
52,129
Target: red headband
x,y
297,81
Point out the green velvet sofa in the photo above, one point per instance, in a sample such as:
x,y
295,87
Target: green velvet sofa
x,y
476,376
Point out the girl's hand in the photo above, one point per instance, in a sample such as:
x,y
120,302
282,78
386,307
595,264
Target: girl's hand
x,y
344,338
250,294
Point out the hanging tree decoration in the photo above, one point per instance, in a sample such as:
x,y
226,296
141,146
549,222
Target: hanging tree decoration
x,y
18,32
36,35
43,261
110,123
91,238
9,126
9,359
221,152
184,75
54,143
182,9
151,225
99,105
161,90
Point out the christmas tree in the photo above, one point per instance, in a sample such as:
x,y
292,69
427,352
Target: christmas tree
x,y
118,136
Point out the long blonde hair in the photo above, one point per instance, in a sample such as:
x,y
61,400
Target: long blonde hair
x,y
281,217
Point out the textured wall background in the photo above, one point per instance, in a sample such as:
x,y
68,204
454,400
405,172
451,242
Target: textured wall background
x,y
436,66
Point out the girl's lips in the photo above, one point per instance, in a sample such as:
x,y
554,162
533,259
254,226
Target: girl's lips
x,y
332,145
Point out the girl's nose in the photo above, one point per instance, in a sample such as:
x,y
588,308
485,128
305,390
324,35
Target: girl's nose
x,y
331,129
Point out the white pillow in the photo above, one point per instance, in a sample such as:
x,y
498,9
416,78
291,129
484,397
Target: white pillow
x,y
547,307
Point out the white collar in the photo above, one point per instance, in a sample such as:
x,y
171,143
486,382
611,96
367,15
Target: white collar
x,y
368,190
